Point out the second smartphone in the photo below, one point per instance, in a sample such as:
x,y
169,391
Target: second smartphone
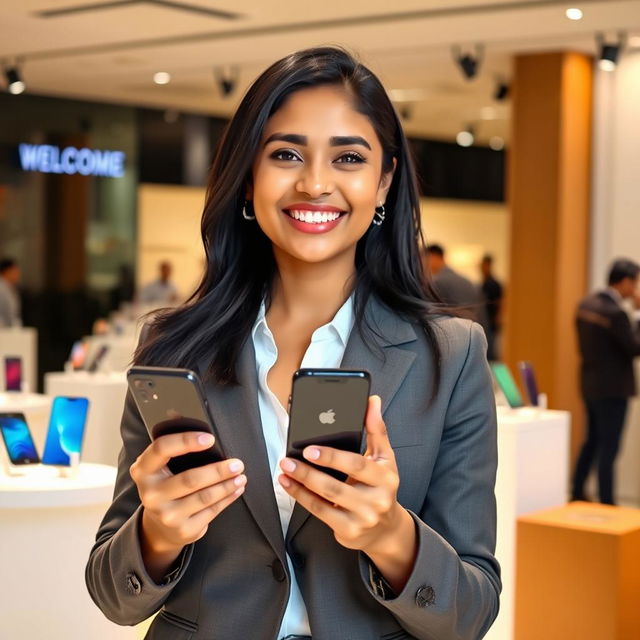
x,y
173,401
328,408
66,431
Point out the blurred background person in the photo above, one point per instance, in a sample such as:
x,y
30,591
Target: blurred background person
x,y
609,341
491,291
124,289
453,288
161,291
9,297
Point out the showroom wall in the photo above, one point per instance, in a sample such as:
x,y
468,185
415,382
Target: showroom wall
x,y
616,212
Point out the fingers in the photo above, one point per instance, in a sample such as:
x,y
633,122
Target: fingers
x,y
378,445
161,450
366,501
193,480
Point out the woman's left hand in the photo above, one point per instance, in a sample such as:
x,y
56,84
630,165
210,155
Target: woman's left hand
x,y
363,512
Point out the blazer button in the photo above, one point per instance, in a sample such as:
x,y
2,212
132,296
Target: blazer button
x,y
425,596
278,571
133,584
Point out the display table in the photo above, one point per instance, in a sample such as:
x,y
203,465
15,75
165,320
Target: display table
x,y
579,573
533,474
120,350
36,408
47,528
21,342
106,393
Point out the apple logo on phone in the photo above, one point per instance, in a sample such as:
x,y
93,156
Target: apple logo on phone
x,y
327,417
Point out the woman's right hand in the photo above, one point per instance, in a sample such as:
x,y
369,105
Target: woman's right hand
x,y
178,508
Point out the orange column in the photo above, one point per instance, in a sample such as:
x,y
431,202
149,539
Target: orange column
x,y
548,194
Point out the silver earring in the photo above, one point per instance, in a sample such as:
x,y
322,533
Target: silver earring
x,y
378,218
245,215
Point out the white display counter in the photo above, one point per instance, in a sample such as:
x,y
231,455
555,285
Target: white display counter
x,y
120,350
533,474
47,528
106,393
21,342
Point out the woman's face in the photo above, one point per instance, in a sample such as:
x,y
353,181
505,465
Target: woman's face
x,y
317,176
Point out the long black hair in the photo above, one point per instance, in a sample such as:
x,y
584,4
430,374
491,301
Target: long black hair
x,y
217,319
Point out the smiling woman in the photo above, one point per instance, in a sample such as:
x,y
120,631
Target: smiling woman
x,y
311,229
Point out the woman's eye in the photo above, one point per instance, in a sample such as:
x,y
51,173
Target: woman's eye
x,y
285,155
350,158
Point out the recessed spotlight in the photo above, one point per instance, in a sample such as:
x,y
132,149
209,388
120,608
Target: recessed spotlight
x,y
162,77
496,143
465,138
574,13
606,65
15,84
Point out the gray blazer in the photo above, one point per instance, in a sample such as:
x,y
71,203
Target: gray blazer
x,y
234,582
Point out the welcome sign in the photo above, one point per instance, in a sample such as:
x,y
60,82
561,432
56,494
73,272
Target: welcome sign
x,y
47,158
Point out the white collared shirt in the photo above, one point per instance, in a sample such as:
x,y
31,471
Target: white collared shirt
x,y
326,350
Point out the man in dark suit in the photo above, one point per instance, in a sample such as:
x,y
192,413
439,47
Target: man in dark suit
x,y
609,341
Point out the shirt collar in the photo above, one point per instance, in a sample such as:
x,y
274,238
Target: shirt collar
x,y
342,322
615,294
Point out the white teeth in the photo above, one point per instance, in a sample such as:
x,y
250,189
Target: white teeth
x,y
314,217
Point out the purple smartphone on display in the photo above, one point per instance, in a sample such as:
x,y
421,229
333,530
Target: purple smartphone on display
x,y
529,382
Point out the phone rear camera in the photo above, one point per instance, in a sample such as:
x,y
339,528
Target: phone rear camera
x,y
150,384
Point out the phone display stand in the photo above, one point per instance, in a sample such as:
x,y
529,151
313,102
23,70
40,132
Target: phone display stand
x,y
542,401
72,470
12,469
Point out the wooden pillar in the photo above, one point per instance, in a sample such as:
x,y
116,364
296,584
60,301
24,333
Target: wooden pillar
x,y
548,193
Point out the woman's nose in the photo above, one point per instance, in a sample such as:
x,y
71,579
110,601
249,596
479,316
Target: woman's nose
x,y
315,180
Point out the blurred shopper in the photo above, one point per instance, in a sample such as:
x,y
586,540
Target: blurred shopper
x,y
124,289
492,293
310,232
609,341
9,296
453,288
162,291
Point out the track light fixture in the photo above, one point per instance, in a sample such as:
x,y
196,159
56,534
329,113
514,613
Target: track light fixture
x,y
469,63
501,92
15,84
609,51
466,137
227,79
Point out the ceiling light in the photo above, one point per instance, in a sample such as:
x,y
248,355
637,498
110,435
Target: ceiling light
x,y
496,143
162,77
574,13
15,85
469,64
502,91
227,79
465,138
609,52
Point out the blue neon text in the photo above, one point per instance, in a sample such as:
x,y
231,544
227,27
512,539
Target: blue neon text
x,y
87,162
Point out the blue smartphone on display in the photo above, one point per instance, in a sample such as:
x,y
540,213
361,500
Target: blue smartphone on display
x,y
66,430
17,439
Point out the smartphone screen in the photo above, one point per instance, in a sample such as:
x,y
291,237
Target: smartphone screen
x,y
17,439
78,354
13,373
173,401
328,408
66,430
507,384
102,352
529,381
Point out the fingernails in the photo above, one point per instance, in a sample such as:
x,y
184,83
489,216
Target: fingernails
x,y
288,465
284,481
240,481
239,491
235,466
311,453
205,438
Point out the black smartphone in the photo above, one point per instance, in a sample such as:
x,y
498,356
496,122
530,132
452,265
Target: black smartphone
x,y
529,382
327,408
173,401
99,357
13,373
17,439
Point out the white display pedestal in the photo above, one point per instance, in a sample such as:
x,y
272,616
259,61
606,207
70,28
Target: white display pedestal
x,y
47,528
106,393
36,409
120,350
533,473
22,342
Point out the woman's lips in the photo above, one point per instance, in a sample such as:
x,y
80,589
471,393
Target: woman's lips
x,y
317,219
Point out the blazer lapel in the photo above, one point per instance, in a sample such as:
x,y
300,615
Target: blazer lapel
x,y
236,417
387,364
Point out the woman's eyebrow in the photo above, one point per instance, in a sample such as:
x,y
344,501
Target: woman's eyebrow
x,y
334,141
